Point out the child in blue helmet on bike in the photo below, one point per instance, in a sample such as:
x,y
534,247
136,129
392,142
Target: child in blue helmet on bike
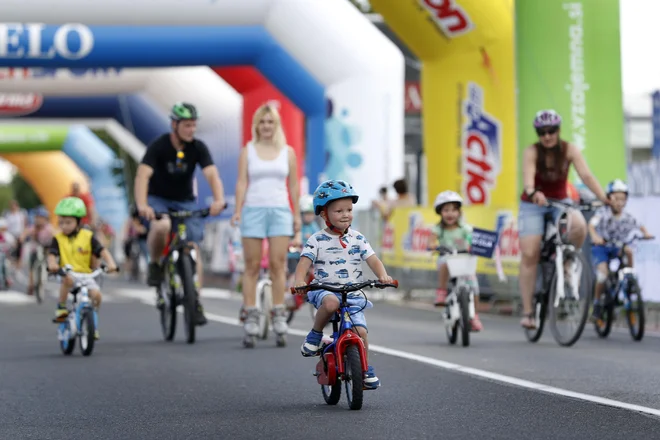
x,y
336,254
610,224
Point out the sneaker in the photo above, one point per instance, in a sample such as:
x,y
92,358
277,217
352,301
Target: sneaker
x,y
61,313
371,381
155,276
279,315
475,324
440,297
251,325
200,318
97,335
312,344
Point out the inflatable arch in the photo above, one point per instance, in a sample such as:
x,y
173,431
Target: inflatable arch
x,y
361,72
51,158
468,93
140,99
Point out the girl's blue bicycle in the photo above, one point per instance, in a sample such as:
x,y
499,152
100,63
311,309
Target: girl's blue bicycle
x,y
83,320
345,358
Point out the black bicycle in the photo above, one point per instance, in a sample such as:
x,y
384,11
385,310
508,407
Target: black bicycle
x,y
179,263
622,289
566,289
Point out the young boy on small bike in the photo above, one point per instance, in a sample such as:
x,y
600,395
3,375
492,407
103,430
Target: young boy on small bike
x,y
610,224
453,233
336,254
76,246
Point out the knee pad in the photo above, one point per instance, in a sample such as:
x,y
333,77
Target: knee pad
x,y
600,277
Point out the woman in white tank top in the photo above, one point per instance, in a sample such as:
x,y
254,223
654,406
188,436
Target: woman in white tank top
x,y
265,167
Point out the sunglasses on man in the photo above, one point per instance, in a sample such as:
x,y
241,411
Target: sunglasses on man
x,y
543,131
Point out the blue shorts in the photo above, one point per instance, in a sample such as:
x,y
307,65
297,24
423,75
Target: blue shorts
x,y
315,297
194,226
266,222
602,254
530,218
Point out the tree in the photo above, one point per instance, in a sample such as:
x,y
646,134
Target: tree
x,y
23,193
6,194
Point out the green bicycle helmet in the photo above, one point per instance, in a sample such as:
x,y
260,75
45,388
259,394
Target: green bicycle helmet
x,y
183,110
71,207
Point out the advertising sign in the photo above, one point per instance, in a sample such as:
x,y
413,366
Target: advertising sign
x,y
562,47
467,83
408,235
656,124
482,144
19,104
71,41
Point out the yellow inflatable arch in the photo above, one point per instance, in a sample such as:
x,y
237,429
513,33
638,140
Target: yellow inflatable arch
x,y
467,53
51,174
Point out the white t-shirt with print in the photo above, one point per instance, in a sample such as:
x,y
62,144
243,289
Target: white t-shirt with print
x,y
333,263
613,228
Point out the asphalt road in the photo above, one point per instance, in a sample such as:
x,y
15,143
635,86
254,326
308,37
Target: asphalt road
x,y
136,386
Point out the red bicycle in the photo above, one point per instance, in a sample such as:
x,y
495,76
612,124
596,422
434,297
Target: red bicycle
x,y
346,345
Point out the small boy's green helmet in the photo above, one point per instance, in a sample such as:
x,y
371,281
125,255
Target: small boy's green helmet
x,y
71,207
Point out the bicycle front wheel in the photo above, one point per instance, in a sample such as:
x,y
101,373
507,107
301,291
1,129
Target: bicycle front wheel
x,y
635,310
569,316
190,298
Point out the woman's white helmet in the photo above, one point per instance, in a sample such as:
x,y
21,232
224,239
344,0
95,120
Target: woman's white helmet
x,y
447,197
307,203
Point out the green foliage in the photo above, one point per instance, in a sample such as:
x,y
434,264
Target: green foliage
x,y
23,193
6,194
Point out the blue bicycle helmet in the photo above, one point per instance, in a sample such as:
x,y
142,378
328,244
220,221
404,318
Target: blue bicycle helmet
x,y
41,211
331,190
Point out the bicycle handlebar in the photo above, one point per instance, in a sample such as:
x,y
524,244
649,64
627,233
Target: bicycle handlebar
x,y
346,288
580,206
444,250
183,214
620,243
68,270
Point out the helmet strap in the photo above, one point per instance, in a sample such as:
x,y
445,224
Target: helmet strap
x,y
333,228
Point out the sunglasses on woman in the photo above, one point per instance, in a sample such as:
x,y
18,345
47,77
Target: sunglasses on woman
x,y
543,131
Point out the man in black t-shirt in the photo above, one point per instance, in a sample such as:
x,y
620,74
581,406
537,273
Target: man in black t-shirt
x,y
164,181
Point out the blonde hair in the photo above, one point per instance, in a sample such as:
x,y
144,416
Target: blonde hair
x,y
279,138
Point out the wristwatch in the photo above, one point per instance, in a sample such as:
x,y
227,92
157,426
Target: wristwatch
x,y
531,193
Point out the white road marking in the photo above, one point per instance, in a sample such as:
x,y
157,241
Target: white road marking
x,y
15,297
509,380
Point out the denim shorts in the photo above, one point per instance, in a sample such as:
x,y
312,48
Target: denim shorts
x,y
315,297
194,226
530,218
602,254
259,222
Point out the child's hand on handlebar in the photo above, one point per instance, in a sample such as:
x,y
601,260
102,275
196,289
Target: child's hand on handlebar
x,y
597,240
385,279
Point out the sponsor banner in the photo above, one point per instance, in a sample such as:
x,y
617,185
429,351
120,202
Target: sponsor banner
x,y
561,48
468,93
413,101
20,104
71,41
22,73
408,235
647,253
24,139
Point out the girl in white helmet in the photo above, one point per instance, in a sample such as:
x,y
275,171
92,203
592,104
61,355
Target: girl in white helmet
x,y
454,233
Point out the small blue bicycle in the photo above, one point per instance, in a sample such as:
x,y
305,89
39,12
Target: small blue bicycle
x,y
622,289
82,321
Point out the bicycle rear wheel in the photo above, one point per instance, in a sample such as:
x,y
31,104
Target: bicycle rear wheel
x,y
571,312
87,330
168,310
603,326
635,311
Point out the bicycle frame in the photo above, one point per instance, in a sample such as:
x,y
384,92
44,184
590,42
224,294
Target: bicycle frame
x,y
80,302
343,336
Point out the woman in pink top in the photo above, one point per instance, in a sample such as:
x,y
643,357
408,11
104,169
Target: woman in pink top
x,y
40,234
